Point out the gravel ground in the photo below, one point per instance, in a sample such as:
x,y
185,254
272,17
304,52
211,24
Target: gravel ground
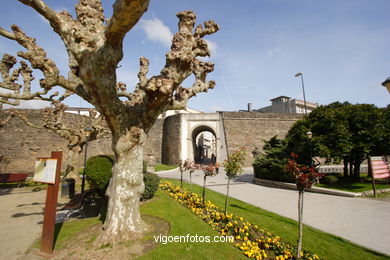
x,y
21,214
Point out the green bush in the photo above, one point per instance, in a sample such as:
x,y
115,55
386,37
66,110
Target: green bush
x,y
270,164
151,185
98,172
271,169
329,179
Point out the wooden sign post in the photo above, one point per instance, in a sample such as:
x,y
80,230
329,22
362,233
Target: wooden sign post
x,y
50,175
378,166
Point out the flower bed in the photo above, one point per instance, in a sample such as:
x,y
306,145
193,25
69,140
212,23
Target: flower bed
x,y
254,241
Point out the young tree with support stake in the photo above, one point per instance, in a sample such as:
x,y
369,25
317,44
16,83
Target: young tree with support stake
x,y
191,167
305,177
233,167
95,47
207,171
182,168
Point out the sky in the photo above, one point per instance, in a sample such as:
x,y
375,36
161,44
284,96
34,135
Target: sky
x,y
340,46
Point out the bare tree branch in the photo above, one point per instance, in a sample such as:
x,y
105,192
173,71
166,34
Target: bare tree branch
x,y
126,13
38,59
9,114
164,91
7,34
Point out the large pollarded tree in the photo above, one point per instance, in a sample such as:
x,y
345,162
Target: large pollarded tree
x,y
94,47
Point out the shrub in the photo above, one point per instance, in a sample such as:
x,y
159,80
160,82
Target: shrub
x,y
270,164
152,182
329,179
271,169
98,172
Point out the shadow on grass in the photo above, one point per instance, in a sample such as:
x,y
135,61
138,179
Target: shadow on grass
x,y
57,230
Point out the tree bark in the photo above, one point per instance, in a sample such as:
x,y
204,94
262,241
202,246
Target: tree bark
x,y
300,222
125,188
227,196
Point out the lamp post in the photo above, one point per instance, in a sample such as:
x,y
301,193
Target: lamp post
x,y
386,84
309,136
303,88
87,130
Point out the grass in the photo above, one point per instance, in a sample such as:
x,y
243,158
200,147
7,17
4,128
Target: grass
x,y
163,167
382,195
183,222
355,186
327,246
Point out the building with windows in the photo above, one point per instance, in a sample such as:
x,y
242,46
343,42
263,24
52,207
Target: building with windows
x,y
287,105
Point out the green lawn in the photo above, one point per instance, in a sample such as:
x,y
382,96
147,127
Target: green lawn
x,y
354,186
163,167
183,222
327,246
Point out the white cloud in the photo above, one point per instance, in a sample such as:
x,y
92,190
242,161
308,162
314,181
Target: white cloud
x,y
157,31
213,47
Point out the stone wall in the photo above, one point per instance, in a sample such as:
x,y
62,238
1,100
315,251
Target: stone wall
x,y
171,143
20,144
153,145
250,129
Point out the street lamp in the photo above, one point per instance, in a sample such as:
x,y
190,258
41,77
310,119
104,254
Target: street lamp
x,y
386,84
87,131
303,88
309,136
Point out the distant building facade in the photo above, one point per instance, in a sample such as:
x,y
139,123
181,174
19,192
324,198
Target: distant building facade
x,y
287,105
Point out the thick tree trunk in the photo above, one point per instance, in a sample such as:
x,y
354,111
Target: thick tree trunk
x,y
345,160
350,168
356,169
123,221
300,222
72,169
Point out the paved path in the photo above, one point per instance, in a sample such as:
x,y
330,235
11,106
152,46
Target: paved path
x,y
363,221
21,215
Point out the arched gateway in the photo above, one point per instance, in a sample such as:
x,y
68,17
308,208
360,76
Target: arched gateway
x,y
196,137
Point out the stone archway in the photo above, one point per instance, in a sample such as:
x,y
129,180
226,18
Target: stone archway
x,y
204,146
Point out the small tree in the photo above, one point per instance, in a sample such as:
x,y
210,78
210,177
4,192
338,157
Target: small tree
x,y
191,167
233,167
182,168
305,177
207,171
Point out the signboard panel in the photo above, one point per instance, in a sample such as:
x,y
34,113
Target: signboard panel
x,y
380,167
45,170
